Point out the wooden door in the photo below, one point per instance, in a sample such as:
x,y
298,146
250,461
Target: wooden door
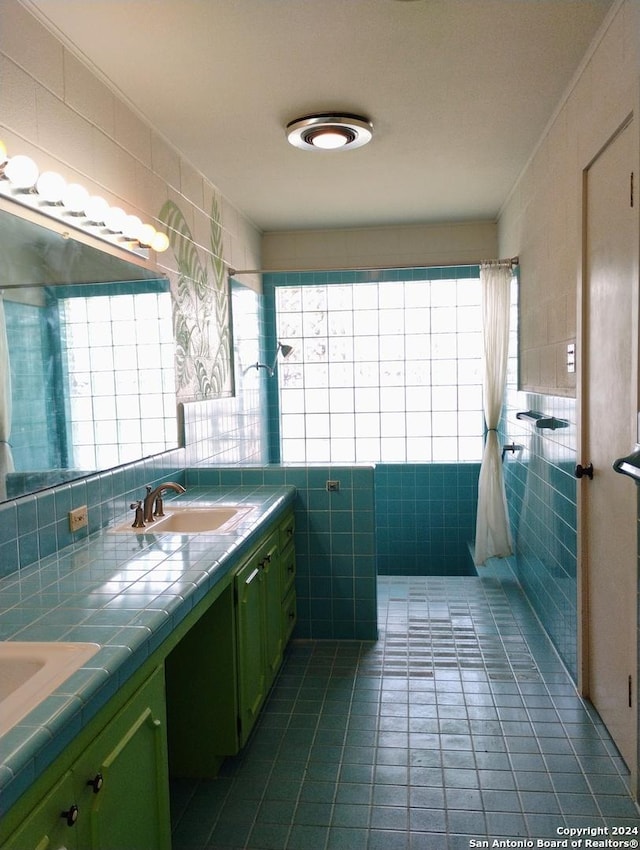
x,y
609,384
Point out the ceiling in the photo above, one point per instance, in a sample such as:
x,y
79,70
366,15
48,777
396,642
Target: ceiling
x,y
459,92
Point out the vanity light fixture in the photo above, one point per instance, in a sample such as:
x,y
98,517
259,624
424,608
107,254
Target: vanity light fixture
x,y
283,348
75,198
96,209
51,187
22,172
71,203
323,131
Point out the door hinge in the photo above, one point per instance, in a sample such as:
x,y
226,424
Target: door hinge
x,y
631,188
630,692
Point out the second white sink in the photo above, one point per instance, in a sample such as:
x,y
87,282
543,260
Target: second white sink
x,y
31,671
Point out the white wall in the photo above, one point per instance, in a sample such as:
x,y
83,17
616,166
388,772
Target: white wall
x,y
414,245
542,219
54,109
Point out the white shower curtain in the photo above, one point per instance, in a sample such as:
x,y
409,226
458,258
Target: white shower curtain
x,y
6,460
493,535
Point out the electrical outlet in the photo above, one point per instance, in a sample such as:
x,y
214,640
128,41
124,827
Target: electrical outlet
x,y
333,486
78,518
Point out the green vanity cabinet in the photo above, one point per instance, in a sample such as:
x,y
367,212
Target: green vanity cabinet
x,y
220,672
46,828
265,617
193,702
258,631
113,795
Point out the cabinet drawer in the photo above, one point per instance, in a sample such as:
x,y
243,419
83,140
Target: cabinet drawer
x,y
286,531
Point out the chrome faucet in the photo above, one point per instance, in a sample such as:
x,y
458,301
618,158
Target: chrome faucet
x,y
153,506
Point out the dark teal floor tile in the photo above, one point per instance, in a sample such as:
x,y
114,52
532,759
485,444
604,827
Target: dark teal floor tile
x,y
458,723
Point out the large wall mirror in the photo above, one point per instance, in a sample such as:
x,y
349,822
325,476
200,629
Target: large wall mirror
x,y
87,358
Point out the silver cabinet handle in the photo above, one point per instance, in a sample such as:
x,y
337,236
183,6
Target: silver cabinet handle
x,y
255,573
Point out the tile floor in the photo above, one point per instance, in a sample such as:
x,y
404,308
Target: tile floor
x,y
458,726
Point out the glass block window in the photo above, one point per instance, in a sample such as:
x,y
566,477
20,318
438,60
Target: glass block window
x,y
118,357
381,371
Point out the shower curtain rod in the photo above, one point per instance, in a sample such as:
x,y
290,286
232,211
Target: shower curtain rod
x,y
510,261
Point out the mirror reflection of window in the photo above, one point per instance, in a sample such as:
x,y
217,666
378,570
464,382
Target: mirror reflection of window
x,y
40,269
92,377
118,367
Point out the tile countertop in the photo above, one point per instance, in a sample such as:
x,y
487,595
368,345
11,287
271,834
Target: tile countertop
x,y
126,592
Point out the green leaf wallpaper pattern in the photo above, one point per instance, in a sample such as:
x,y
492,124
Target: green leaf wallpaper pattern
x,y
201,313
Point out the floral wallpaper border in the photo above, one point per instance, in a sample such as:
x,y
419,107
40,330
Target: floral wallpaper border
x,y
201,309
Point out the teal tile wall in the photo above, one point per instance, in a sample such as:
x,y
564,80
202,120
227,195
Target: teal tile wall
x,y
542,499
425,518
336,581
33,527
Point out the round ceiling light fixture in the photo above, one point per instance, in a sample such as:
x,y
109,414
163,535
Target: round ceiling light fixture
x,y
326,131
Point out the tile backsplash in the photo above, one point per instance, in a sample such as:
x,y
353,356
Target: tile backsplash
x,y
35,526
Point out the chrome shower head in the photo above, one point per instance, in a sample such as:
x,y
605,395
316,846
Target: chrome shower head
x,y
281,347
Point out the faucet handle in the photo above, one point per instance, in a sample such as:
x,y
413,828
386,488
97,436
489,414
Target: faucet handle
x,y
159,506
138,521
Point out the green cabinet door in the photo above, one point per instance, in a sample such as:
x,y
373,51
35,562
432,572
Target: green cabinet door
x,y
259,629
250,644
53,824
121,780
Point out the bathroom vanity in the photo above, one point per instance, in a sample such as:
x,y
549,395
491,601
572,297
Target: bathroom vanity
x,y
186,692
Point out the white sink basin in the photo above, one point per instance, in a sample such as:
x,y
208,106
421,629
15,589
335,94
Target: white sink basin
x,y
31,671
189,519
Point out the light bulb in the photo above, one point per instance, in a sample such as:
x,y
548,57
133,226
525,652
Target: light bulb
x,y
131,228
146,234
114,219
51,187
329,140
160,242
21,171
96,209
75,198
